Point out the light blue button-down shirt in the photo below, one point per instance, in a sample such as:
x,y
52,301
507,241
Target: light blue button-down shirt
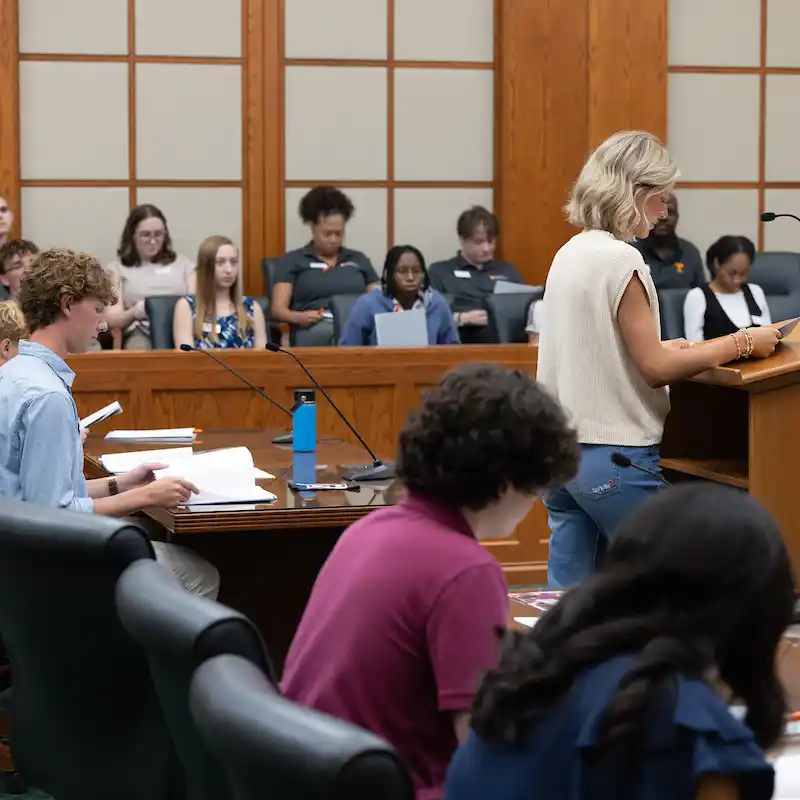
x,y
41,455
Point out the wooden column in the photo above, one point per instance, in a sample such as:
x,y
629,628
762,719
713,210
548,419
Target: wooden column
x,y
9,105
570,72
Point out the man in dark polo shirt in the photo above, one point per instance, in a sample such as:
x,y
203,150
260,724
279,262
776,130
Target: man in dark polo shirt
x,y
674,263
402,620
470,276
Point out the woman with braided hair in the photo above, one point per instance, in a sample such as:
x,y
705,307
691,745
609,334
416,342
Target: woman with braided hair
x,y
621,690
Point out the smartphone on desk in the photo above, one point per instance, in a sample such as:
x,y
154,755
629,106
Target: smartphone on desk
x,y
323,487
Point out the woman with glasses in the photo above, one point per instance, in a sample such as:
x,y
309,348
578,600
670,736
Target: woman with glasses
x,y
405,286
146,266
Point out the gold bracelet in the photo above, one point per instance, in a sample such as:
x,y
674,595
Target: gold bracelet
x,y
750,344
738,346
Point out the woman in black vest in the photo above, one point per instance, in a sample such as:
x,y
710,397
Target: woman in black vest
x,y
728,303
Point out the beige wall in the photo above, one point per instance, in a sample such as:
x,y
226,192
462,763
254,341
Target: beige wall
x,y
106,131
400,111
733,117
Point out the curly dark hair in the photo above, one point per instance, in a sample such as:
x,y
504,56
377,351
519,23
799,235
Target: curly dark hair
x,y
127,253
323,201
61,274
16,247
482,430
696,578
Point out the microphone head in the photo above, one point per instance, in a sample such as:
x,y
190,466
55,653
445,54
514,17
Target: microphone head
x,y
187,348
273,348
620,459
767,216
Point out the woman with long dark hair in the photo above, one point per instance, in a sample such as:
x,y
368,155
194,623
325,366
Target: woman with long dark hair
x,y
621,690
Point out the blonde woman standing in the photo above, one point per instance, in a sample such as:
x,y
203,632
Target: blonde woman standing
x,y
600,349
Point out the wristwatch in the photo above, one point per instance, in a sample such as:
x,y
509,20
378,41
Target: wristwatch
x,y
113,486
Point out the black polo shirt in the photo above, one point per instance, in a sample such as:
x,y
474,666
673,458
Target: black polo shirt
x,y
469,286
681,269
315,282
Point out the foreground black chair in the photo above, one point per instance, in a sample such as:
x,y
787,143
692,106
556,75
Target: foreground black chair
x,y
508,315
670,303
178,631
273,748
160,311
85,717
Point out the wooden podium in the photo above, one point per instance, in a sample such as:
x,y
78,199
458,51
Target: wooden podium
x,y
740,425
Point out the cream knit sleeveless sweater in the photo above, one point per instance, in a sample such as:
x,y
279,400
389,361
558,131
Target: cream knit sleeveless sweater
x,y
583,360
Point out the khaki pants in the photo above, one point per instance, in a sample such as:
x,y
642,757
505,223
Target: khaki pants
x,y
137,340
195,573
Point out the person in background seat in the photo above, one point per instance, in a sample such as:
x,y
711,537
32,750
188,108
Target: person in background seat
x,y
622,689
6,220
674,263
403,616
147,266
217,316
728,303
15,256
405,286
470,276
12,329
307,278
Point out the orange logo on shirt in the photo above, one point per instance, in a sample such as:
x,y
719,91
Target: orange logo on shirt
x,y
679,267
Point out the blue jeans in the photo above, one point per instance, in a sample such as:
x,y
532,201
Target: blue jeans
x,y
584,514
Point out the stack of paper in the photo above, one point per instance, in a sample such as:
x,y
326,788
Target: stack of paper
x,y
111,410
117,463
222,476
159,436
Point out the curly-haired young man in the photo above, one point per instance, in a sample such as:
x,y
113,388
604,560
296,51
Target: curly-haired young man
x,y
63,297
403,616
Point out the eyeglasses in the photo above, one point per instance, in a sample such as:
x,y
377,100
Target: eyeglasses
x,y
151,236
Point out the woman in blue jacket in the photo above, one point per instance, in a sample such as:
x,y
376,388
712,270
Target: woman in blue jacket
x,y
404,286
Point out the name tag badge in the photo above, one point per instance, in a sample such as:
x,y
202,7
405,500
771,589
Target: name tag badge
x,y
163,270
348,264
462,273
318,265
499,278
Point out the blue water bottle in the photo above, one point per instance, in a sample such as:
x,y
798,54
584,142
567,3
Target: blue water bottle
x,y
304,422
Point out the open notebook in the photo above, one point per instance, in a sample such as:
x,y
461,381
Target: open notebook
x,y
222,476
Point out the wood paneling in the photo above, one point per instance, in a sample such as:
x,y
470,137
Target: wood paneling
x,y
9,104
570,74
375,388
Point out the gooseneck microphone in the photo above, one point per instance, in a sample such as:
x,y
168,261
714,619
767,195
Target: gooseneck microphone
x,y
769,216
621,460
284,438
379,470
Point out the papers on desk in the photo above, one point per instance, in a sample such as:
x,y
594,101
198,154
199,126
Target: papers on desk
x,y
402,328
509,287
111,410
222,476
789,326
528,622
158,436
117,463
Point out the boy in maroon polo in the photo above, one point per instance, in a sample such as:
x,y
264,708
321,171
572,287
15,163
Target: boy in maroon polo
x,y
403,618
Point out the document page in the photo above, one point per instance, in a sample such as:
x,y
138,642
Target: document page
x,y
163,435
222,476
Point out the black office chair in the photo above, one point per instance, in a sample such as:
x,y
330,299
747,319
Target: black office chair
x,y
86,720
778,274
178,631
341,306
160,311
670,305
269,272
273,748
508,315
318,335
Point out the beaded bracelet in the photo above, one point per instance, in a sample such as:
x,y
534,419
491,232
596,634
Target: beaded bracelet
x,y
738,346
750,343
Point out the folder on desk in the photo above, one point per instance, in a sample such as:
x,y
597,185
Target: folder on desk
x,y
222,476
157,436
402,328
